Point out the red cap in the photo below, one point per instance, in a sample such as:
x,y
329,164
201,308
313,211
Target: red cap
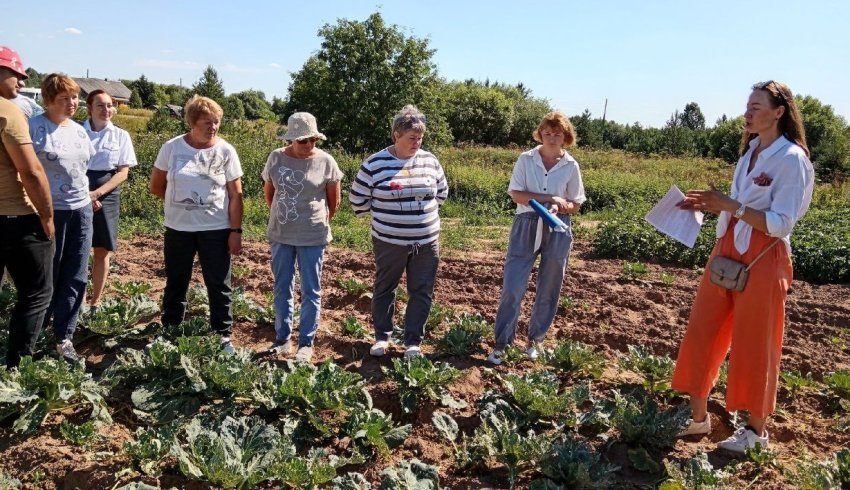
x,y
10,59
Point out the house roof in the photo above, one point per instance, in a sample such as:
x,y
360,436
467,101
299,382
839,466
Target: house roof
x,y
113,87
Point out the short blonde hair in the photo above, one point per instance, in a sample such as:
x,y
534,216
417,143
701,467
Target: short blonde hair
x,y
409,118
55,84
556,120
198,106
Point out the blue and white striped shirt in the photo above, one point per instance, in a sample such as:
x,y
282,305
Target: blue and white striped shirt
x,y
403,196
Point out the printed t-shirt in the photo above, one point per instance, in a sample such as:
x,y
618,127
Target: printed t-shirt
x,y
64,151
299,213
196,192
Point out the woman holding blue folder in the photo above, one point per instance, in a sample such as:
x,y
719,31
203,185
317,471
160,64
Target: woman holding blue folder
x,y
549,175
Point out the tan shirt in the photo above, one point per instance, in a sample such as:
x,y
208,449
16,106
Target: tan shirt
x,y
13,131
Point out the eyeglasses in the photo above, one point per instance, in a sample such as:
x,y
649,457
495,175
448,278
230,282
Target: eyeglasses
x,y
307,140
776,88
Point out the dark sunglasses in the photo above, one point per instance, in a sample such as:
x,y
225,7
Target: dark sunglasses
x,y
307,140
776,89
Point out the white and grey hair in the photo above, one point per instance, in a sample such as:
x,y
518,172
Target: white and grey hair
x,y
407,119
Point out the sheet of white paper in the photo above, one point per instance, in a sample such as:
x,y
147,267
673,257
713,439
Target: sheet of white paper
x,y
680,224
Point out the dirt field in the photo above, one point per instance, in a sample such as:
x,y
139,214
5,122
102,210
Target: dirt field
x,y
610,314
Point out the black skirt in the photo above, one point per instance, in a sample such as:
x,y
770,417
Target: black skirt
x,y
106,220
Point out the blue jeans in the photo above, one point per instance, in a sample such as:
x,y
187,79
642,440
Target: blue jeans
x,y
70,269
309,260
554,253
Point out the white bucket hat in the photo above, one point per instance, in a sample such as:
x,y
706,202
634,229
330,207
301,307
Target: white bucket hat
x,y
302,125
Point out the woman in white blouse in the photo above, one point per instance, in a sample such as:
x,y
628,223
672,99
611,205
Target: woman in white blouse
x,y
108,169
771,190
551,176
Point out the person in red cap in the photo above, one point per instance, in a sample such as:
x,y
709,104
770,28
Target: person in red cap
x,y
26,216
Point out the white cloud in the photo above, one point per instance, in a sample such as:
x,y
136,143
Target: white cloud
x,y
72,30
171,64
274,65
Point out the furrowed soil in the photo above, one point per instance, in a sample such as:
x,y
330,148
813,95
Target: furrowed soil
x,y
607,311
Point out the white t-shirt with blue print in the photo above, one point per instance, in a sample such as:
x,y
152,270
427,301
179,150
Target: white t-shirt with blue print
x,y
64,151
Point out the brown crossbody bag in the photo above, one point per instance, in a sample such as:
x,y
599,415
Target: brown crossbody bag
x,y
731,274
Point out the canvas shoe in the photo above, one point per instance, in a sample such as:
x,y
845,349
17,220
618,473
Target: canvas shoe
x,y
283,347
743,439
495,357
412,351
379,348
304,354
227,346
66,351
696,428
533,352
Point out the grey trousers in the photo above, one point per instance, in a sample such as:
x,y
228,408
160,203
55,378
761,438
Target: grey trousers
x,y
554,253
391,261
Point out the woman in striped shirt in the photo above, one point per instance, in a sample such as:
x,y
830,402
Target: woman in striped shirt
x,y
402,187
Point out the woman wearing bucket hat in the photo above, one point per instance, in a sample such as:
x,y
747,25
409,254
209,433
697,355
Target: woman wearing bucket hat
x,y
199,176
302,190
402,186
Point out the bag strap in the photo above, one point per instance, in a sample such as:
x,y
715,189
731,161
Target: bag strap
x,y
762,254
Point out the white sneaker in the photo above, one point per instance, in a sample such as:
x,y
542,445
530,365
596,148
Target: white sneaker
x,y
280,347
304,354
495,357
412,351
227,346
379,348
696,428
742,440
66,351
533,352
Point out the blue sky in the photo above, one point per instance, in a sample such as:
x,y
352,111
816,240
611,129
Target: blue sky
x,y
647,58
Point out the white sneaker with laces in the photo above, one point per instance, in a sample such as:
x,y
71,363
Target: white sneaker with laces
x,y
280,347
304,354
379,348
412,351
742,440
227,346
66,351
696,428
495,357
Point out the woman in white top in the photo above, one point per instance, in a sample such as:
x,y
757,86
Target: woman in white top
x,y
550,176
198,175
771,190
108,169
64,150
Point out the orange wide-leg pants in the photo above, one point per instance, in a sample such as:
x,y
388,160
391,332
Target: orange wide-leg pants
x,y
751,322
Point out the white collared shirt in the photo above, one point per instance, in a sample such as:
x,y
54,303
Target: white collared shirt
x,y
563,179
113,147
784,200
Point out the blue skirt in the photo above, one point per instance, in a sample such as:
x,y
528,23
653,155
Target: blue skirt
x,y
106,219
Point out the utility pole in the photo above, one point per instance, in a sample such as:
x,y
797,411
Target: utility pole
x,y
604,113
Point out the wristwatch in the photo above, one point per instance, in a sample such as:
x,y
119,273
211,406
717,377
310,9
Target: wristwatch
x,y
739,213
236,230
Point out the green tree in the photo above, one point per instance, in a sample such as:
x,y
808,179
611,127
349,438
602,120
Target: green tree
x,y
692,118
175,94
209,85
588,130
34,79
361,76
677,138
279,109
233,108
146,91
255,104
479,114
135,100
724,139
826,135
